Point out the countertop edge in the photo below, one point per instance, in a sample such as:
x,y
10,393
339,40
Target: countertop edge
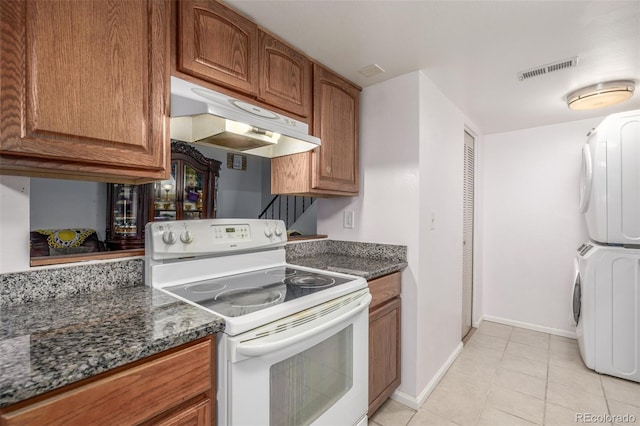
x,y
29,355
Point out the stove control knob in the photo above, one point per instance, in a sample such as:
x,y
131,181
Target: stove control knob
x,y
186,237
278,231
268,231
169,237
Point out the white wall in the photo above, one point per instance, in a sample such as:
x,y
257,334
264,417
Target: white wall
x,y
307,223
58,203
442,128
386,211
532,225
67,203
411,145
240,192
14,223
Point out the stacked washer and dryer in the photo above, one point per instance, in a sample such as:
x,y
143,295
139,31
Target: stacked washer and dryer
x,y
606,294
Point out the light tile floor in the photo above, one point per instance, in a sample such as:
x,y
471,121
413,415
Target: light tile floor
x,y
508,376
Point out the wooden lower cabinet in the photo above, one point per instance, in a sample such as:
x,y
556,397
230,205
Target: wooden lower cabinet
x,y
199,414
384,339
174,388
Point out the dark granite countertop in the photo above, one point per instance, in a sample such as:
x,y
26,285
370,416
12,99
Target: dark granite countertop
x,y
60,326
366,260
360,266
49,344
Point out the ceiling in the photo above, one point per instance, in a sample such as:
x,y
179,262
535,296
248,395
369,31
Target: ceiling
x,y
472,50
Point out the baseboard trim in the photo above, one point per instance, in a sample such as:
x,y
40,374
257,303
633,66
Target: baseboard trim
x,y
477,323
416,402
529,326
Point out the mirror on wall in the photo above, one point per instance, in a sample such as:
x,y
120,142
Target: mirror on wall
x,y
70,217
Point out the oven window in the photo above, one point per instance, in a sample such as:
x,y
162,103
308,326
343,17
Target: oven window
x,y
307,384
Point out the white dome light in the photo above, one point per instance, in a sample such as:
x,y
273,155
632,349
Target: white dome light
x,y
600,95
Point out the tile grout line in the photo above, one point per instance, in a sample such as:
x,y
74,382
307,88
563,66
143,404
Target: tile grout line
x,y
413,415
493,380
546,382
604,393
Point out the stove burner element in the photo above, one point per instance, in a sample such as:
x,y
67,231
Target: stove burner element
x,y
310,281
278,271
205,288
249,297
236,295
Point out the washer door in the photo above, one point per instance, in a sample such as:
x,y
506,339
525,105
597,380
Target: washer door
x,y
586,178
577,297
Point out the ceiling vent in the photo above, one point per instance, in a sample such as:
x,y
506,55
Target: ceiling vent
x,y
371,70
545,69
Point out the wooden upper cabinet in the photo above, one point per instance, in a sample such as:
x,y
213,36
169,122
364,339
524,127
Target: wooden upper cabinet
x,y
84,89
216,44
332,168
335,121
285,76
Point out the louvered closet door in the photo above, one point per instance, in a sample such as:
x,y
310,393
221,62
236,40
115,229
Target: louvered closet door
x,y
467,235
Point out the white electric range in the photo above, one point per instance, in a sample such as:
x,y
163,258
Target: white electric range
x,y
295,345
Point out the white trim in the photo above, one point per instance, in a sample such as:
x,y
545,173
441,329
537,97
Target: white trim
x,y
529,326
477,323
416,402
308,241
79,263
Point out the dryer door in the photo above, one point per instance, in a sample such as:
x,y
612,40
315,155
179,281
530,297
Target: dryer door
x,y
586,178
577,297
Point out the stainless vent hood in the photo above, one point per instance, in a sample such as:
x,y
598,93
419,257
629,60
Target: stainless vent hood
x,y
202,116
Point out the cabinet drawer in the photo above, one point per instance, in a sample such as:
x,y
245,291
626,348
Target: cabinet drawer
x,y
384,288
128,397
198,414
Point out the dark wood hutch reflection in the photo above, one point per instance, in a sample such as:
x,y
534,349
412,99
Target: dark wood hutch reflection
x,y
189,193
127,213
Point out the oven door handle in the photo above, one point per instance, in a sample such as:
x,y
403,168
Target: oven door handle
x,y
258,349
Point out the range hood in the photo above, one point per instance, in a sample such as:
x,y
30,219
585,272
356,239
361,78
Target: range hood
x,y
202,116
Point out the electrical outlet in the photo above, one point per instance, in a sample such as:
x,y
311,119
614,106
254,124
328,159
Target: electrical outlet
x,y
347,219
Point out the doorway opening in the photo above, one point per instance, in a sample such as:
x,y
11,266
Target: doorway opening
x,y
467,234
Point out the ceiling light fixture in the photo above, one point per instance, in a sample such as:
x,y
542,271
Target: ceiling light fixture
x,y
601,95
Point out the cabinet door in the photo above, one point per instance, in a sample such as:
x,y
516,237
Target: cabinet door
x,y
384,353
196,415
218,45
332,168
85,89
335,122
285,76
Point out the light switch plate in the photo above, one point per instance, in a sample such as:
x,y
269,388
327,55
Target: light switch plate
x,y
347,219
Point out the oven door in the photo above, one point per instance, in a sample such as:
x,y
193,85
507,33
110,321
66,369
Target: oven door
x,y
309,368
